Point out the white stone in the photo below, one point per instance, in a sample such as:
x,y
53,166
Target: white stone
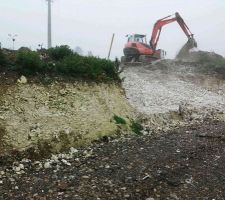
x,y
16,169
2,172
107,166
66,162
73,150
47,165
22,80
55,158
21,166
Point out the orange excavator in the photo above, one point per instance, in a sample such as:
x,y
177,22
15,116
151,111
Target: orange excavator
x,y
138,50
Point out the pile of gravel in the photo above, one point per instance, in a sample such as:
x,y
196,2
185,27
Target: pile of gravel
x,y
156,91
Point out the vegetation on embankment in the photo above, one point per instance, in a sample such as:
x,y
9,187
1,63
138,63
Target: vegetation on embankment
x,y
58,61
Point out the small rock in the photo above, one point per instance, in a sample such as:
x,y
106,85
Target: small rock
x,y
150,198
73,150
22,80
107,166
47,165
55,158
174,196
37,165
178,150
123,188
1,182
12,179
25,160
16,169
1,117
85,177
63,92
66,162
21,166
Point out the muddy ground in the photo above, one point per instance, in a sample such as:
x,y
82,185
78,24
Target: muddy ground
x,y
187,163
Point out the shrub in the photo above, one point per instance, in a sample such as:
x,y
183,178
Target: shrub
x,y
59,52
28,62
119,120
72,65
136,127
87,67
60,61
2,58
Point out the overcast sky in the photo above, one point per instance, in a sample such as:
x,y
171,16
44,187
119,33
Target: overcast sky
x,y
91,23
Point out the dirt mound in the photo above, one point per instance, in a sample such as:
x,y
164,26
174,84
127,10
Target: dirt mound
x,y
200,56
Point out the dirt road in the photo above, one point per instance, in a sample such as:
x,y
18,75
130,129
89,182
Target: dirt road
x,y
184,164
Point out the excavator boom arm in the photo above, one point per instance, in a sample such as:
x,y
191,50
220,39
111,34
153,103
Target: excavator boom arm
x,y
164,21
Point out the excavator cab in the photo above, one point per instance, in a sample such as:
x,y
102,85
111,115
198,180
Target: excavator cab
x,y
137,38
138,50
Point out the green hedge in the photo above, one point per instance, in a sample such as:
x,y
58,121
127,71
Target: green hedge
x,y
28,62
2,58
59,52
61,61
87,67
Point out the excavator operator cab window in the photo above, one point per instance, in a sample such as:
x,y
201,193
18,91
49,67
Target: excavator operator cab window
x,y
137,38
130,38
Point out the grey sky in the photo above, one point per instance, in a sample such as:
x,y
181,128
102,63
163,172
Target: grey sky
x,y
90,23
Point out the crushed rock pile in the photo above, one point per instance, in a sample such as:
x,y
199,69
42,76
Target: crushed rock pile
x,y
169,91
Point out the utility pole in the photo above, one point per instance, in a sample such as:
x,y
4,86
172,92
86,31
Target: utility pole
x,y
49,23
110,48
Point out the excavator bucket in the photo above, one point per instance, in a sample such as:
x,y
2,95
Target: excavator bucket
x,y
185,50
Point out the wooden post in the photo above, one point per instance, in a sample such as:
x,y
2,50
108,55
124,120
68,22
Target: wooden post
x,y
111,45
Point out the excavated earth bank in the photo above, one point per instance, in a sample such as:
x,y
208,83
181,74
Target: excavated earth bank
x,y
59,115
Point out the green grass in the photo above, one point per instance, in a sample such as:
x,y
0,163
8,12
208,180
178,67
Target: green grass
x,y
136,127
119,120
